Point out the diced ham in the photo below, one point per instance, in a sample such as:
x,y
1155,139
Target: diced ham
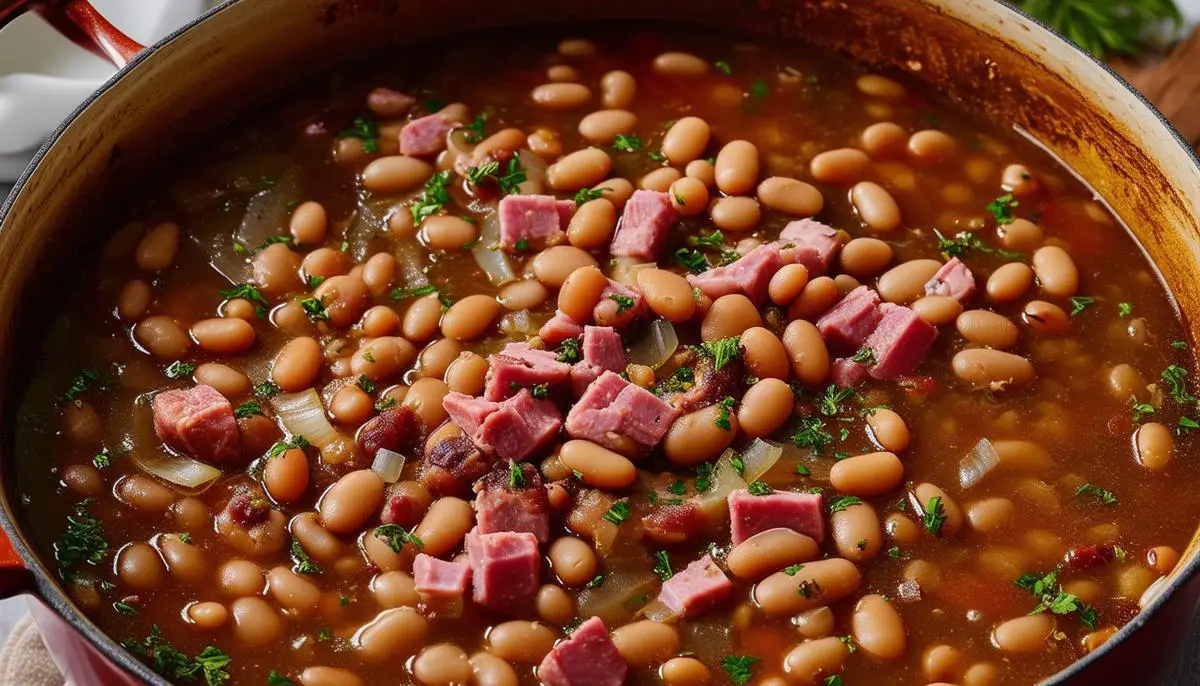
x,y
613,412
647,218
501,506
522,427
426,136
504,569
386,102
468,412
559,328
587,658
535,219
953,280
518,366
749,275
848,323
619,304
847,373
451,466
750,514
602,351
439,579
810,243
197,422
395,429
899,342
674,523
696,589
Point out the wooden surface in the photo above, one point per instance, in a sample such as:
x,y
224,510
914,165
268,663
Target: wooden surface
x,y
1172,83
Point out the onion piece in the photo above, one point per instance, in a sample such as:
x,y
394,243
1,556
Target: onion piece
x,y
657,611
1153,591
487,252
411,263
369,220
518,322
759,458
268,210
656,347
535,173
304,415
388,465
618,599
725,480
976,465
150,456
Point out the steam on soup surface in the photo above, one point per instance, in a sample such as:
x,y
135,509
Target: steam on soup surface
x,y
624,359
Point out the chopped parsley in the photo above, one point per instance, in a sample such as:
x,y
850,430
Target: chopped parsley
x,y
1124,309
738,463
324,634
366,130
627,143
85,379
680,380
301,562
739,668
386,403
618,513
704,474
965,241
1101,495
1002,208
1179,345
759,90
715,240
211,664
367,385
662,565
792,570
585,195
692,260
180,370
656,156
723,415
802,470
540,391
624,302
723,67
843,502
396,537
1051,597
894,552
596,582
934,517
476,129
812,434
185,537
833,680
677,487
1186,424
247,291
723,351
267,389
830,402
865,356
516,476
123,608
272,240
277,679
433,198
1079,303
283,446
849,643
1139,411
83,540
760,488
1176,380
511,180
569,351
314,308
247,409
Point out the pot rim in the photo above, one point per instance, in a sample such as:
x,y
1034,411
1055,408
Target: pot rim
x,y
47,589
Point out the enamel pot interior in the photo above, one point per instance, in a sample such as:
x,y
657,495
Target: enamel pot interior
x,y
980,53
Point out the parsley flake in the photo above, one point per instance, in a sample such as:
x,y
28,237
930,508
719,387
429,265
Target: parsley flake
x,y
396,537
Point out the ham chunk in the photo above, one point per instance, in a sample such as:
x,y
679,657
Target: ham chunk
x,y
750,514
602,351
532,220
587,658
619,305
387,102
559,328
847,373
511,430
899,342
810,243
452,465
848,323
504,569
614,413
648,217
749,275
504,503
518,366
425,137
199,423
953,280
439,579
696,589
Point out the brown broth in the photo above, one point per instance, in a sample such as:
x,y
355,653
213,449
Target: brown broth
x,y
1069,410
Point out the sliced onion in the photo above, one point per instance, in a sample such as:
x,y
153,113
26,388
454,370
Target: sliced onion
x,y
1153,591
618,599
976,465
725,480
388,464
149,455
535,173
369,220
267,212
411,262
657,611
656,347
304,415
487,252
518,322
759,458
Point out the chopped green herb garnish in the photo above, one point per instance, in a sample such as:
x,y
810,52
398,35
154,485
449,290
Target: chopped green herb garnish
x,y
760,488
802,470
433,198
1101,495
759,90
692,260
662,565
723,419
277,679
704,474
102,459
1186,424
596,582
965,241
83,540
1002,208
477,174
396,537
809,589
1054,599
267,389
301,562
739,668
722,351
714,240
569,351
618,512
1124,309
180,370
247,409
1175,377
477,128
792,570
723,67
894,552
812,434
540,391
624,302
283,446
185,537
843,502
1079,303
85,379
314,308
935,516
124,608
249,292
1179,345
627,143
516,475
830,402
211,664
324,634
677,487
584,195
865,356
365,129
1139,411
656,156
386,403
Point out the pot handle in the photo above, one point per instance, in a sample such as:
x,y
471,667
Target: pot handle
x,y
79,22
14,577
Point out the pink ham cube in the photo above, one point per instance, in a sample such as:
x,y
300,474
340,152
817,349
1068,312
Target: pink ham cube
x,y
696,589
602,351
642,233
810,243
750,514
512,430
848,323
425,137
532,221
953,280
899,342
501,506
504,569
518,366
847,373
613,411
749,275
559,328
439,579
199,423
587,658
